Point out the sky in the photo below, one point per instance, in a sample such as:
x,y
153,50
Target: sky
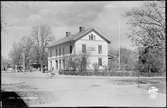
x,y
106,17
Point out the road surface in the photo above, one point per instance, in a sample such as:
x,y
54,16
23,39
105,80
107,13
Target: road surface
x,y
37,89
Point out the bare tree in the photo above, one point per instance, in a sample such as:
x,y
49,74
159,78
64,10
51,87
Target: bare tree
x,y
71,64
148,32
42,35
20,53
16,54
82,61
27,45
4,63
113,62
79,61
32,49
148,24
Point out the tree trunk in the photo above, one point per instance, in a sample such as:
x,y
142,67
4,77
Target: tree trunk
x,y
42,62
42,66
42,70
24,62
149,72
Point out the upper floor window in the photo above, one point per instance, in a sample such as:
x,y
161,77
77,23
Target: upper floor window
x,y
50,52
83,48
59,51
99,49
63,50
70,49
91,37
56,51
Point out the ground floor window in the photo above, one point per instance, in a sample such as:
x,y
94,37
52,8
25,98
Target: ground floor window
x,y
100,61
56,64
50,65
64,64
59,64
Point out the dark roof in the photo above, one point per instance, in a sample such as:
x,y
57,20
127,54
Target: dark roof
x,y
74,37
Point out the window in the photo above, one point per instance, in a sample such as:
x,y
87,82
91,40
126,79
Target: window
x,y
91,37
63,64
83,63
59,64
99,49
59,51
63,50
84,60
56,51
100,61
70,49
56,64
83,48
50,52
50,65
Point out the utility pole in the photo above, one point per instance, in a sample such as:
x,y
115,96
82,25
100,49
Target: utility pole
x,y
119,45
138,72
41,47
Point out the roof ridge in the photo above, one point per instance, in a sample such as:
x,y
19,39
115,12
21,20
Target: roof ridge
x,y
74,37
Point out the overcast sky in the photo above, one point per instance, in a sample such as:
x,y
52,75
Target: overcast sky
x,y
66,16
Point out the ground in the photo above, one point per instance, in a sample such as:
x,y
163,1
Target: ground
x,y
37,89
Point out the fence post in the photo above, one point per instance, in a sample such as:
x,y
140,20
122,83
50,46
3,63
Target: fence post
x,y
138,75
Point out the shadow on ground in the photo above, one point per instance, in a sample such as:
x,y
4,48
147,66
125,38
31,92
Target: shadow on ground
x,y
12,100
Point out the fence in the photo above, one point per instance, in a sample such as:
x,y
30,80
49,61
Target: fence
x,y
107,73
99,73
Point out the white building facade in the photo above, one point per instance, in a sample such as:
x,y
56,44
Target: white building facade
x,y
87,41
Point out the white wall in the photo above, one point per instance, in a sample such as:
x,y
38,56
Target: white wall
x,y
94,59
92,48
92,44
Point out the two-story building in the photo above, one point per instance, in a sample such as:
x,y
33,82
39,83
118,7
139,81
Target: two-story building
x,y
85,41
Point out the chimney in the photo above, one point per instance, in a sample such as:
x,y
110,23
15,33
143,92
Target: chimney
x,y
81,29
68,34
